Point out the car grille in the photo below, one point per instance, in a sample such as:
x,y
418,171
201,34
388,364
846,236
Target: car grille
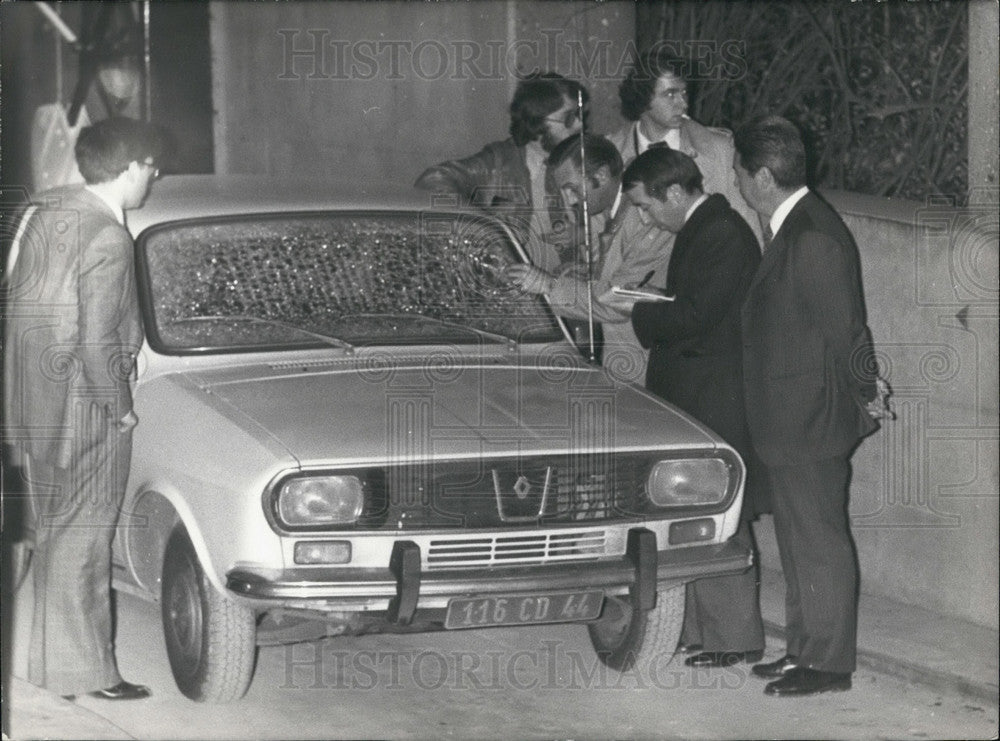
x,y
517,549
506,493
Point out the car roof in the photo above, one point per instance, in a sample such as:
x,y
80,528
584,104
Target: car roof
x,y
177,197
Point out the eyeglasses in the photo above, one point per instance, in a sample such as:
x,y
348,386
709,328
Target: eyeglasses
x,y
156,170
567,119
674,93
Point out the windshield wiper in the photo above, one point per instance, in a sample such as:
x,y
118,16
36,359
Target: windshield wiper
x,y
324,338
495,336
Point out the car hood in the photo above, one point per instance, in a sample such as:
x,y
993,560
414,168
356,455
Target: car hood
x,y
394,414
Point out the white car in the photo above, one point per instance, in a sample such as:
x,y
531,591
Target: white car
x,y
348,419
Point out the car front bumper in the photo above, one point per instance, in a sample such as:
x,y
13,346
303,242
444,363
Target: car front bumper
x,y
402,586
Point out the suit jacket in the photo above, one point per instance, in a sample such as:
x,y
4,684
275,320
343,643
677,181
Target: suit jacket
x,y
72,328
806,348
694,342
712,150
626,257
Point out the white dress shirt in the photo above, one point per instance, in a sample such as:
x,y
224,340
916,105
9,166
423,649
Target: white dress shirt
x,y
782,211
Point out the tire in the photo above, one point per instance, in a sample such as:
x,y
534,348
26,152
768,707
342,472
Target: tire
x,y
211,639
640,637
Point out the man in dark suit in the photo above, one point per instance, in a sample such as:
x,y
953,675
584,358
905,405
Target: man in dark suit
x,y
806,367
72,333
695,363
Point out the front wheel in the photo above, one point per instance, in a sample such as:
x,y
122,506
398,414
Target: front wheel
x,y
629,636
211,639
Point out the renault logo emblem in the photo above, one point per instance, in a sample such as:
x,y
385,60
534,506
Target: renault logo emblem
x,y
530,500
522,487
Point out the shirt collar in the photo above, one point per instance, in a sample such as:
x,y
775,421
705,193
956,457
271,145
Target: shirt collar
x,y
116,208
782,211
616,205
694,206
534,158
672,138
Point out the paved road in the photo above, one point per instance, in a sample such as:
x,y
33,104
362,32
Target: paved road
x,y
542,683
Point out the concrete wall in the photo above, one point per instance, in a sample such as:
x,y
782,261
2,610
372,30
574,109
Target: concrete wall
x,y
384,89
925,490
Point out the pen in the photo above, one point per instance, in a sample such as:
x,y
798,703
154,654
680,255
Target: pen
x,y
645,280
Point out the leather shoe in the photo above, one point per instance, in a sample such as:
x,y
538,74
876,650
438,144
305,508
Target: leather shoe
x,y
800,681
689,648
122,691
722,658
775,669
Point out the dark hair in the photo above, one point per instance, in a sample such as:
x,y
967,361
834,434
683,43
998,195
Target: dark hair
x,y
636,90
773,142
658,168
105,149
599,151
537,96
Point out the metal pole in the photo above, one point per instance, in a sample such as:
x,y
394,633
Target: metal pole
x,y
586,233
146,80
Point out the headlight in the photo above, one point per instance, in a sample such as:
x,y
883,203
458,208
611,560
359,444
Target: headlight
x,y
688,482
321,500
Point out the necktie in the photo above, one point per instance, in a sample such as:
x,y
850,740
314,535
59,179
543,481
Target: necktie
x,y
768,236
610,228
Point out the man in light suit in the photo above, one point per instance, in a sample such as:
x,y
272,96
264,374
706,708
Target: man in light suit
x,y
72,333
807,368
695,362
625,252
654,99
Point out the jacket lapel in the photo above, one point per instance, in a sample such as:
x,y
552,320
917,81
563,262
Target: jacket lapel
x,y
775,252
708,209
687,145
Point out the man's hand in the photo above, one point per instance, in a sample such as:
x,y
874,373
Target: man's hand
x,y
127,422
529,278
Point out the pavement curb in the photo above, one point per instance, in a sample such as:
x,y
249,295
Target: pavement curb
x,y
912,672
37,713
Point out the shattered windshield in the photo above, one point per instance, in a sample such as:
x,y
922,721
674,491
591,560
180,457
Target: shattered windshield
x,y
344,279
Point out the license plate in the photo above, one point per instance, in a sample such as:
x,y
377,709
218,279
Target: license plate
x,y
521,609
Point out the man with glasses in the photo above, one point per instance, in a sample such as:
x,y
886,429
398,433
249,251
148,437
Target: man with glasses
x,y
627,250
71,336
508,177
654,99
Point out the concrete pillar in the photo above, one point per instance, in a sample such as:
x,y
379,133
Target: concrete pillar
x,y
984,101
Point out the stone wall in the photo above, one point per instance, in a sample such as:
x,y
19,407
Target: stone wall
x,y
382,90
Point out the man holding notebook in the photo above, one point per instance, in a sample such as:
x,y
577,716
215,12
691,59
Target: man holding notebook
x,y
695,362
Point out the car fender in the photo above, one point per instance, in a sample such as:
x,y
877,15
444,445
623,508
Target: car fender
x,y
174,469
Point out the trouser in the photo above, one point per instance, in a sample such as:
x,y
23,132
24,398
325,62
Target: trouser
x,y
723,612
812,528
76,510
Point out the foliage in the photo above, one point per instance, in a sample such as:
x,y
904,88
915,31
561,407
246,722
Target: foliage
x,y
878,88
